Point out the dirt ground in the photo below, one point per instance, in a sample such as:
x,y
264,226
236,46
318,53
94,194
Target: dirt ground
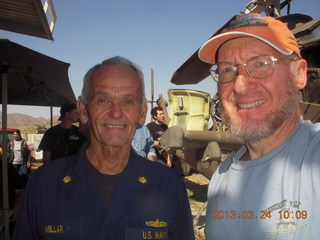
x,y
197,186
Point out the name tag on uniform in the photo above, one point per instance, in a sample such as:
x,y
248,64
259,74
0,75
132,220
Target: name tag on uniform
x,y
143,233
55,229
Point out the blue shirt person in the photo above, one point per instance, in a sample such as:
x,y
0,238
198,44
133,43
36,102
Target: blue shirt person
x,y
142,143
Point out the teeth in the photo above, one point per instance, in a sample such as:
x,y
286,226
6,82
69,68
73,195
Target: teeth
x,y
115,126
251,105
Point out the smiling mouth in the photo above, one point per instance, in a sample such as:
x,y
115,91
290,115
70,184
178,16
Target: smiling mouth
x,y
251,105
115,126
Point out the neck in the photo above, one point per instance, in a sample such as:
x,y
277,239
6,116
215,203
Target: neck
x,y
157,122
108,160
66,124
262,147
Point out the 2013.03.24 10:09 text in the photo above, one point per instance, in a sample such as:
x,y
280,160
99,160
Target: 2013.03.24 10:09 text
x,y
249,214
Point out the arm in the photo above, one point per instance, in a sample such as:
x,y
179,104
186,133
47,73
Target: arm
x,y
17,204
46,145
27,155
25,226
183,228
46,157
156,144
150,150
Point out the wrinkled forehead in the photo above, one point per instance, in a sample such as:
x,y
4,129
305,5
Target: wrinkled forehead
x,y
115,76
246,46
116,70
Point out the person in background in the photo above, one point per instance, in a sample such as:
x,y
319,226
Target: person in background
x,y
19,154
106,190
63,139
16,190
157,127
142,143
269,189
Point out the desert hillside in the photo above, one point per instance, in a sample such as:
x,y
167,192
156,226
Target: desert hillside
x,y
28,123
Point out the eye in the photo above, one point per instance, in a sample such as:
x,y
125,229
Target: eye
x,y
129,101
227,70
102,100
262,64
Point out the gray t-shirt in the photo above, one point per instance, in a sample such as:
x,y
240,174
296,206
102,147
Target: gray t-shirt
x,y
17,152
276,196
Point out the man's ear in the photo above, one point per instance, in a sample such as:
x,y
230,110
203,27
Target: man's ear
x,y
82,111
302,77
143,114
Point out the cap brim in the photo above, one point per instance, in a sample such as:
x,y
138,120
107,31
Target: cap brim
x,y
208,51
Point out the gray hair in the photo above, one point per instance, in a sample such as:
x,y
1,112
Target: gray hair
x,y
117,60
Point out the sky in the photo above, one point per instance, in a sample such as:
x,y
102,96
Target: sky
x,y
155,34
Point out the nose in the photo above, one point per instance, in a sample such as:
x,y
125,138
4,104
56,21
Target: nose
x,y
115,111
242,81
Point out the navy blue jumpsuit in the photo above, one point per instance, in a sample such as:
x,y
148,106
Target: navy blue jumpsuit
x,y
149,202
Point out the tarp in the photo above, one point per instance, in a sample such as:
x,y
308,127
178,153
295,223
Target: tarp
x,y
34,78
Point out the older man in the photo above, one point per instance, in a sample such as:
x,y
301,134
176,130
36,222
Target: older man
x,y
106,190
269,189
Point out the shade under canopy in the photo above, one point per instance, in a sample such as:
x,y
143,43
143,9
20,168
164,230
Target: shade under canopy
x,y
34,78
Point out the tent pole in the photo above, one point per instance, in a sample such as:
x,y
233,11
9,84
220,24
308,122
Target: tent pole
x,y
51,116
4,72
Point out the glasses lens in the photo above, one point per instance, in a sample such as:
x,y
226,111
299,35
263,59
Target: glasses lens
x,y
214,73
223,72
260,67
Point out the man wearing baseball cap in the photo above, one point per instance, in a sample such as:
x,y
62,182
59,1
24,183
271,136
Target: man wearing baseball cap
x,y
269,188
63,139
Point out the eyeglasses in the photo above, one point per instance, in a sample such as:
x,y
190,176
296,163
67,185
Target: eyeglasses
x,y
258,67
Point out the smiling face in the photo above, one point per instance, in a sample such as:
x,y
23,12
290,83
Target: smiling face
x,y
159,118
16,136
255,108
114,105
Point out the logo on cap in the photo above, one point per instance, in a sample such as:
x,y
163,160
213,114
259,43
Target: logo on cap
x,y
247,20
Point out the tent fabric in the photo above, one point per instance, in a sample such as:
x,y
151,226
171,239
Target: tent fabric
x,y
34,78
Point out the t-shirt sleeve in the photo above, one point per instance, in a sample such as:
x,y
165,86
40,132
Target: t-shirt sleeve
x,y
46,142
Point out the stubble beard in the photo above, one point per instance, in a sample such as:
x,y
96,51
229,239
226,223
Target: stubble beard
x,y
256,130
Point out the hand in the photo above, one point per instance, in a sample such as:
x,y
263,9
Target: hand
x,y
169,160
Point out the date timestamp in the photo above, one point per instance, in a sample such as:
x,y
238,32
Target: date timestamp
x,y
249,214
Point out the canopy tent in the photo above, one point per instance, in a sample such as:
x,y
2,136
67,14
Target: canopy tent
x,y
34,78
29,78
28,17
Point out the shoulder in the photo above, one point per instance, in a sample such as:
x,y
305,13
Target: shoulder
x,y
150,124
75,128
158,172
51,172
52,130
164,126
307,133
